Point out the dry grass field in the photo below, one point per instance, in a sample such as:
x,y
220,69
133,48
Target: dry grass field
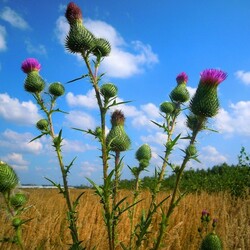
x,y
48,229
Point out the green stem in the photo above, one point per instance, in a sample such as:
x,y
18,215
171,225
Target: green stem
x,y
19,237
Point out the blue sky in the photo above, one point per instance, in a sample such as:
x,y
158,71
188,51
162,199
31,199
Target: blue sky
x,y
152,42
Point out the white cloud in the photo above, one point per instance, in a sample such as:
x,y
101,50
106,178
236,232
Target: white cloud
x,y
16,160
81,120
13,18
236,120
87,169
18,142
35,49
88,100
22,113
191,91
151,110
210,156
120,63
158,138
244,76
3,45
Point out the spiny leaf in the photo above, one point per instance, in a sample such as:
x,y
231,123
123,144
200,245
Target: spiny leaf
x,y
79,78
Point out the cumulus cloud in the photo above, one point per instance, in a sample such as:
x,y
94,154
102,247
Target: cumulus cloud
x,y
76,146
19,142
236,120
244,76
13,18
35,49
21,113
121,63
87,169
209,155
88,100
16,160
3,45
81,120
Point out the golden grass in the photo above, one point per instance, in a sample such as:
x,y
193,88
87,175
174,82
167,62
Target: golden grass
x,y
48,229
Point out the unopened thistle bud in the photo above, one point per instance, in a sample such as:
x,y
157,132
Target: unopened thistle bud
x,y
16,222
42,125
108,90
117,138
18,200
102,47
56,89
167,107
211,242
195,122
8,178
143,153
180,93
191,150
33,82
205,102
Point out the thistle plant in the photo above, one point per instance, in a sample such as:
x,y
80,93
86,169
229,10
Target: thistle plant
x,y
14,201
35,85
210,240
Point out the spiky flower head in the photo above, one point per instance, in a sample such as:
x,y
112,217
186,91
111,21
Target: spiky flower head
x,y
143,153
102,47
18,200
42,125
117,139
195,123
211,242
56,89
205,102
182,78
191,150
16,222
8,178
73,13
180,93
167,107
108,90
30,64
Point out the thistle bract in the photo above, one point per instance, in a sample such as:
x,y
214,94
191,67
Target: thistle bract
x,y
191,150
205,102
56,89
108,90
34,82
194,122
211,242
117,139
18,200
143,153
102,47
167,107
79,39
42,124
8,178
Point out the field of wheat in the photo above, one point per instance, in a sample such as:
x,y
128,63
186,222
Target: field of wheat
x,y
48,228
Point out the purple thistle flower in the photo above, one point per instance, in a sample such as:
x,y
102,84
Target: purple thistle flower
x,y
204,212
182,78
212,77
73,13
30,64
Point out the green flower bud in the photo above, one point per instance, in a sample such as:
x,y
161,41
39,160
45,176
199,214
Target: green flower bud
x,y
191,150
102,47
56,89
16,222
42,124
117,138
8,178
34,82
167,107
18,200
211,242
143,153
108,90
79,39
194,122
180,93
143,164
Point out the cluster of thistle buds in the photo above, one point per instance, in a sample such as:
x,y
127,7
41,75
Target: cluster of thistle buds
x,y
80,39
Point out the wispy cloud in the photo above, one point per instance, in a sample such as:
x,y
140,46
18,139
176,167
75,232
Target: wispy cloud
x,y
12,17
244,76
125,59
16,160
38,49
3,45
22,113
